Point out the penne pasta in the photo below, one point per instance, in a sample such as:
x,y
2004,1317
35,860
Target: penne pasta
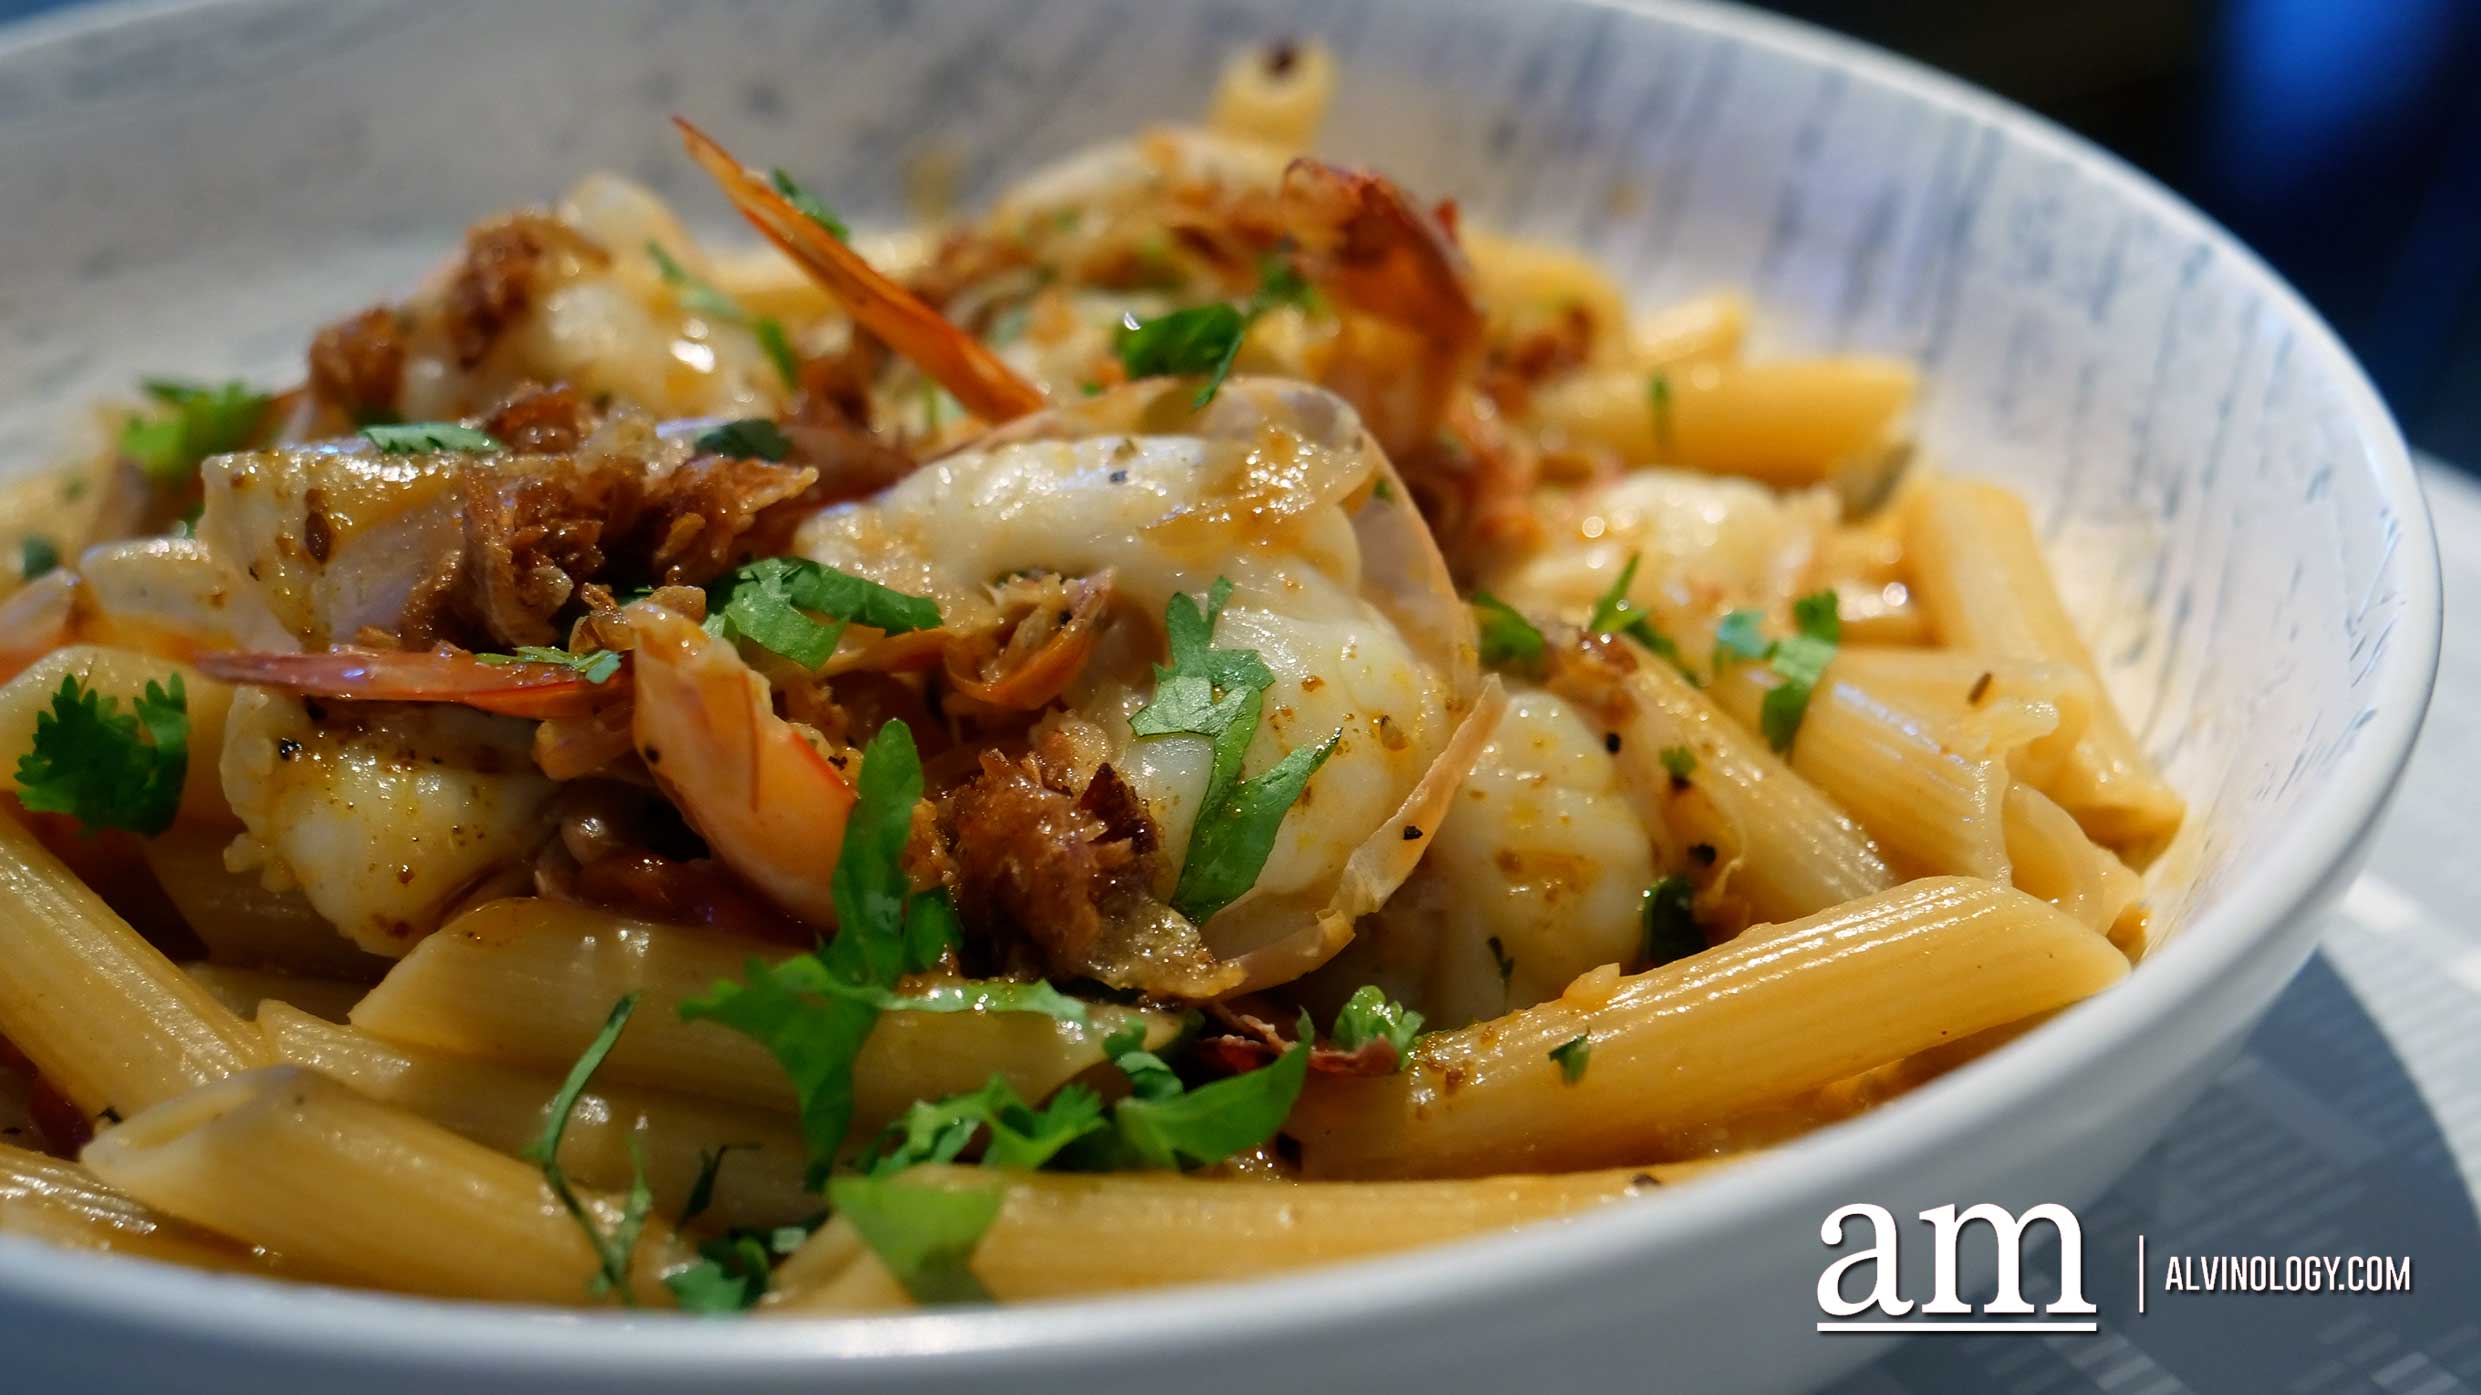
x,y
1935,810
1773,846
62,1204
1706,329
244,991
103,1015
1528,287
2053,859
1276,95
351,1189
2032,711
1787,421
759,1181
1063,1236
1677,1048
1976,565
528,982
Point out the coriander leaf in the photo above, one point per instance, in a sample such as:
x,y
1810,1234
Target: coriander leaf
x,y
1370,1015
611,1251
709,1287
809,205
1280,283
873,895
1738,637
1614,613
696,295
202,421
1658,397
1236,824
1203,689
1800,661
768,603
36,556
1509,640
594,665
1201,339
750,438
1679,762
1671,921
1572,1056
815,1039
419,437
967,995
925,1234
109,769
1021,1137
1212,1122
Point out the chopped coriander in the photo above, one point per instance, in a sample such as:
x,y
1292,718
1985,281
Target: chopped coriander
x,y
700,297
594,665
885,930
1165,1126
924,1233
732,1269
1218,693
1019,1136
750,438
1799,660
702,1187
1383,492
1509,640
1572,1056
1737,637
202,421
1615,614
769,603
1280,283
1658,397
1671,921
419,437
36,556
1370,1015
109,769
1201,339
809,205
612,1251
1679,762
967,995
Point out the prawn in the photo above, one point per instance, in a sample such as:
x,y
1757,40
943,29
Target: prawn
x,y
443,675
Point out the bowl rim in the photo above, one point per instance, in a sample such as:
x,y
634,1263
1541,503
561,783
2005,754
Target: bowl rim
x,y
2298,872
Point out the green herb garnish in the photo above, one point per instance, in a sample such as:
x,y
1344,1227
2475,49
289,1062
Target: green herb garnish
x,y
1799,660
202,421
110,769
750,438
611,1249
421,437
925,1234
1370,1015
1670,919
770,602
700,297
1679,762
1658,397
1509,640
809,205
37,555
1573,1055
1615,614
594,665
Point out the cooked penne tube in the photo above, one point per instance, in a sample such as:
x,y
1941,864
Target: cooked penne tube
x,y
1276,94
1934,809
352,1189
1722,1032
1785,421
104,1015
243,991
1525,286
1976,565
1064,1235
1767,844
528,982
2053,859
2032,711
241,922
61,1203
759,1183
1706,329
122,674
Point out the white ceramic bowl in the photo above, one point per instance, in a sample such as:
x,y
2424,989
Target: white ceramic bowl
x,y
189,188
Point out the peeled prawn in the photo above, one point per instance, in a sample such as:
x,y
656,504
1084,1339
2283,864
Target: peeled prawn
x,y
752,784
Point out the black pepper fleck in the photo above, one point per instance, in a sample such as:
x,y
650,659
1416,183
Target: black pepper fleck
x,y
1702,854
1412,833
1611,742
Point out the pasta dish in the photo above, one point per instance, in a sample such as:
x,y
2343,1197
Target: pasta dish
x,y
1210,717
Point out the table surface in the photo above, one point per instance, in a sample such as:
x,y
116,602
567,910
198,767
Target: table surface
x,y
2351,1125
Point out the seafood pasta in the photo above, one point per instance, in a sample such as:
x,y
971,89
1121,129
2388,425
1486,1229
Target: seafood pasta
x,y
1211,717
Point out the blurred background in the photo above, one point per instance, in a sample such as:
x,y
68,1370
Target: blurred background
x,y
2341,138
